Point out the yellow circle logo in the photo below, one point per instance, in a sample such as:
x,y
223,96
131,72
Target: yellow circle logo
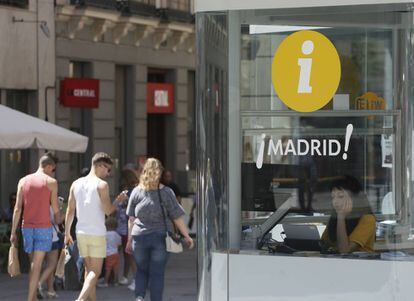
x,y
306,71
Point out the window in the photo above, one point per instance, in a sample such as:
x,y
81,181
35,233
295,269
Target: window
x,y
302,153
15,3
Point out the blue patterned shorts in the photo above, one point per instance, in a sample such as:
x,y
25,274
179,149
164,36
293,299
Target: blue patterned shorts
x,y
37,239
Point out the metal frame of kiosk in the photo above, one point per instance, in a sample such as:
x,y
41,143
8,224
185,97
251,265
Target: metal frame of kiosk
x,y
227,269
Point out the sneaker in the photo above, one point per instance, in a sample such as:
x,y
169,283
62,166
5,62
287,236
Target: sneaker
x,y
102,285
139,299
131,287
123,281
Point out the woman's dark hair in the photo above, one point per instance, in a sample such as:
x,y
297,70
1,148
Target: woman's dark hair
x,y
111,223
360,205
12,199
128,179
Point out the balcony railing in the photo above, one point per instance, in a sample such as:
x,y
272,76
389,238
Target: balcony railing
x,y
176,10
181,5
104,4
167,10
15,3
142,7
147,2
126,7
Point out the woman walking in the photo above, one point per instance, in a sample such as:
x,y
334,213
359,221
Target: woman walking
x,y
47,277
147,229
128,182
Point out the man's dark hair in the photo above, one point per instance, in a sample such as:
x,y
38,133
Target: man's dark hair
x,y
48,159
102,158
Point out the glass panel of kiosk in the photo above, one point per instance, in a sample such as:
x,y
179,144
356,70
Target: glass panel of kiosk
x,y
267,188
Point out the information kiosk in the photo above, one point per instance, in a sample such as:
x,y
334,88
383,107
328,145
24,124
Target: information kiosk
x,y
305,142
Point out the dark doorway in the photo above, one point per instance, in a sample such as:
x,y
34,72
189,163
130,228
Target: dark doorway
x,y
156,136
157,124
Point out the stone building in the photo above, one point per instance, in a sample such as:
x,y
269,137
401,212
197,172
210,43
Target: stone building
x,y
126,45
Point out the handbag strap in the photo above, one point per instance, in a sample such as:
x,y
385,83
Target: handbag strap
x,y
56,229
162,209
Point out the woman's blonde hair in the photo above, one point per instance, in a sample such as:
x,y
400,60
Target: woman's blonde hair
x,y
151,174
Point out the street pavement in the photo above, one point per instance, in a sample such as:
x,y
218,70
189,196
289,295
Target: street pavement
x,y
180,284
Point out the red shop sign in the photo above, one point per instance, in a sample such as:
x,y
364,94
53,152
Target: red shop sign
x,y
79,92
160,98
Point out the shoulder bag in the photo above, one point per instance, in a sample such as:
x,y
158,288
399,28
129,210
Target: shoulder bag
x,y
172,241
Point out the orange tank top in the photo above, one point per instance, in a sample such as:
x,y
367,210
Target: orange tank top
x,y
36,195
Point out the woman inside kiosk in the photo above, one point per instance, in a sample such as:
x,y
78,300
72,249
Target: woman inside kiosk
x,y
351,226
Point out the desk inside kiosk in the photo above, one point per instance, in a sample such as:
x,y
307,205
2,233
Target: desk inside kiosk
x,y
286,221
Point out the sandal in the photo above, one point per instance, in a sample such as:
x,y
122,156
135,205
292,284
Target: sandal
x,y
52,295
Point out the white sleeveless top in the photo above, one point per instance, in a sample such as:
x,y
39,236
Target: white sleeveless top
x,y
89,210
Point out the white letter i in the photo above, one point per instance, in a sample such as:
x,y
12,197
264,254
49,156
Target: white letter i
x,y
305,65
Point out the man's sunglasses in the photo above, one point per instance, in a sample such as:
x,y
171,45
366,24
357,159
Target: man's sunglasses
x,y
107,168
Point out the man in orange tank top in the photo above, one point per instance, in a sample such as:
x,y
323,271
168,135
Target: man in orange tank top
x,y
36,193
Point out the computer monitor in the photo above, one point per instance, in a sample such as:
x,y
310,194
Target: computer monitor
x,y
267,188
302,237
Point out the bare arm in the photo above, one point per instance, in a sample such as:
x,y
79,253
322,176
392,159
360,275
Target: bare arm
x,y
179,223
70,215
343,206
128,247
108,206
344,245
53,186
130,225
17,212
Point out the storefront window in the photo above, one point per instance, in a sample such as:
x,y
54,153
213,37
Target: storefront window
x,y
302,153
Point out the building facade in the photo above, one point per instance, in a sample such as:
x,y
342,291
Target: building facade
x,y
50,49
27,60
126,45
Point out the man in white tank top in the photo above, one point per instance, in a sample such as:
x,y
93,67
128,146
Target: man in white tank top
x,y
89,198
